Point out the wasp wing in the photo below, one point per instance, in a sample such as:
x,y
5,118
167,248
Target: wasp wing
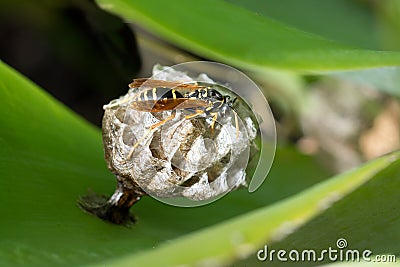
x,y
150,83
168,104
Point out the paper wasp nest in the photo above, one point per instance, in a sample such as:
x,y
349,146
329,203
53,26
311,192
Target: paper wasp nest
x,y
185,157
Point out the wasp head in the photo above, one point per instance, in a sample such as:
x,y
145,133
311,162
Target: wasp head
x,y
227,100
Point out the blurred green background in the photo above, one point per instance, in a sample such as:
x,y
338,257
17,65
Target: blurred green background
x,y
82,55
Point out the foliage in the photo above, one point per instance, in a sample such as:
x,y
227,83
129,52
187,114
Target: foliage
x,y
50,156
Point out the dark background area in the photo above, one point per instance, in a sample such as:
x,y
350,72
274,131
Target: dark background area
x,y
80,54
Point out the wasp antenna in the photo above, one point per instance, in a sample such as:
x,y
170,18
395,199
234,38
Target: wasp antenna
x,y
171,134
137,144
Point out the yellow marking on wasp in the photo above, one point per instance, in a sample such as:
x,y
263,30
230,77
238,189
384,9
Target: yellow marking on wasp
x,y
237,125
205,92
198,113
173,94
145,95
154,93
215,116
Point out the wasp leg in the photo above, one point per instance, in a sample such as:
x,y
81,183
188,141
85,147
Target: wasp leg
x,y
198,113
152,127
215,117
175,128
137,144
158,124
237,125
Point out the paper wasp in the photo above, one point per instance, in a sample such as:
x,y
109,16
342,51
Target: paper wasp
x,y
159,95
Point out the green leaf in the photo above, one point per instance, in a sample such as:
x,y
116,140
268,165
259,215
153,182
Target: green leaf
x,y
356,24
49,157
240,237
226,32
368,219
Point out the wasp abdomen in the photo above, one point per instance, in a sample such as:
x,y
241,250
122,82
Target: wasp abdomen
x,y
158,93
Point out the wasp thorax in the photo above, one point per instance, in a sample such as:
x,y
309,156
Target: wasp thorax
x,y
189,145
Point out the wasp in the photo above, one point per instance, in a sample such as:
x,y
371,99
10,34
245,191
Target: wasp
x,y
159,95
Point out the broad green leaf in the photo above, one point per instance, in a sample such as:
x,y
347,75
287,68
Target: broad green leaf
x,y
226,32
369,219
49,157
388,15
242,236
356,25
